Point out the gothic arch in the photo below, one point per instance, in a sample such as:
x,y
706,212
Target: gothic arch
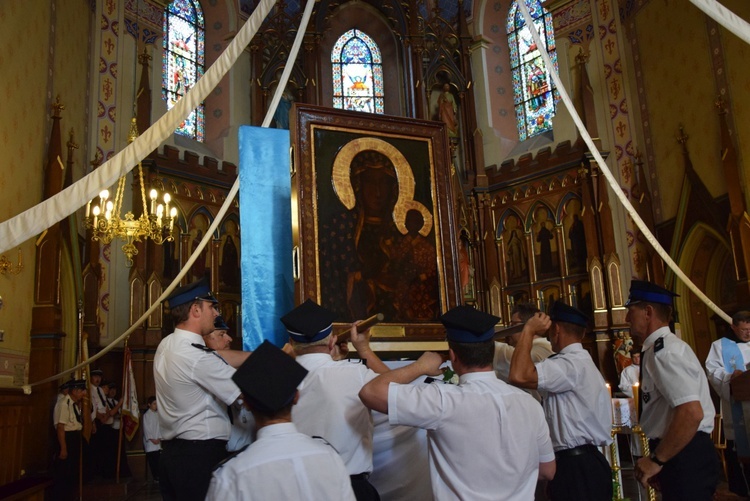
x,y
706,258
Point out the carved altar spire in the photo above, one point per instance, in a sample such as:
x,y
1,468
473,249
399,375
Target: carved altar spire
x,y
54,170
584,99
143,97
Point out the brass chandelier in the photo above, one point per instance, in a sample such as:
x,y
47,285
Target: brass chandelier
x,y
106,224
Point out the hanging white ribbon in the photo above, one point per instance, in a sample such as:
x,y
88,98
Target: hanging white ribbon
x,y
725,17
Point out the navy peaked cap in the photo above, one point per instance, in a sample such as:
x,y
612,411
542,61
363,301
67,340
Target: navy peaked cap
x,y
561,312
464,324
200,289
220,324
308,322
642,291
269,378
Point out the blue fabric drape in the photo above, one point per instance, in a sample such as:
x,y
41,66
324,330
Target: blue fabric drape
x,y
266,226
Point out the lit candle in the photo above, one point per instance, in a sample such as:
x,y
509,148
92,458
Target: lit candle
x,y
636,402
611,405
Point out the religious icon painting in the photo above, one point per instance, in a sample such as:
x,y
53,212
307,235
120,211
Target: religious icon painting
x,y
514,248
229,255
574,236
545,243
374,213
197,228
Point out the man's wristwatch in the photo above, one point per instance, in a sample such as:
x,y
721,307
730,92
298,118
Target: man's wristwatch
x,y
656,460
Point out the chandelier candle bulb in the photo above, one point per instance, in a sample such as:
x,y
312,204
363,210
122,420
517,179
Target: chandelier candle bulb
x,y
88,209
153,194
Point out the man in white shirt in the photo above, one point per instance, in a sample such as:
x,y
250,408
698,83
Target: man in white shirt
x,y
241,419
728,359
282,464
193,387
678,413
630,375
540,346
329,406
487,440
576,403
68,429
102,438
152,437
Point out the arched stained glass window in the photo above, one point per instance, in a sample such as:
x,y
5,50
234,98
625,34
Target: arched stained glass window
x,y
184,61
533,89
357,73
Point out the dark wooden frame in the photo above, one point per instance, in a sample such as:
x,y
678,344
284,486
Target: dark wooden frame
x,y
331,130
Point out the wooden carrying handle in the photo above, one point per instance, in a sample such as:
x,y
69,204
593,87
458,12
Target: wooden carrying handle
x,y
361,327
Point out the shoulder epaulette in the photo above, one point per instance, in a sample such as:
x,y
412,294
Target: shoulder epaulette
x,y
203,347
658,344
325,442
231,456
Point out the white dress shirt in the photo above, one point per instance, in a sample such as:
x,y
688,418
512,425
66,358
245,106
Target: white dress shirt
x,y
575,398
58,407
486,438
69,415
98,403
719,378
329,407
243,427
282,464
193,389
670,376
151,431
540,350
628,377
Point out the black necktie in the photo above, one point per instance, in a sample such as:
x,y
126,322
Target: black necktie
x,y
78,414
640,385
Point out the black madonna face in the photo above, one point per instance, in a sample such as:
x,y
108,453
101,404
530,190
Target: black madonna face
x,y
378,189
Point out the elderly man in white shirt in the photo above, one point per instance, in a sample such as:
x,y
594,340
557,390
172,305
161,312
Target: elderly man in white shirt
x,y
540,346
576,404
630,375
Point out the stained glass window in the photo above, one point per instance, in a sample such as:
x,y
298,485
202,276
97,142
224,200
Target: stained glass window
x,y
533,89
184,61
357,73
